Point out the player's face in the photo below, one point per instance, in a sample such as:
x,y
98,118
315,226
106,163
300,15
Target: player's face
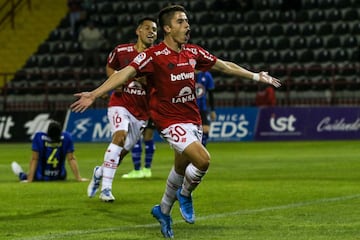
x,y
147,33
180,28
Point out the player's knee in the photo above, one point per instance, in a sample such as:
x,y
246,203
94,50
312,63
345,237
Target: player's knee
x,y
204,162
119,138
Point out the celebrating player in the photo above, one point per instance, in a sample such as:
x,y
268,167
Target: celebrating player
x,y
169,68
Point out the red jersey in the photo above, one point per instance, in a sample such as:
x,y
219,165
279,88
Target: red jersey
x,y
133,96
170,77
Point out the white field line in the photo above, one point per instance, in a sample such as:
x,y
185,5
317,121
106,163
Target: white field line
x,y
212,216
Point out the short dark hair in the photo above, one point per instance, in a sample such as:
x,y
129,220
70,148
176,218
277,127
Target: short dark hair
x,y
147,18
54,131
167,13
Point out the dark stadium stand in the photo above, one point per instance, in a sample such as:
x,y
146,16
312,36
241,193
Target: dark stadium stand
x,y
296,45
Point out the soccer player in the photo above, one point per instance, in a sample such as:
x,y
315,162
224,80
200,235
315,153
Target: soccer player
x,y
169,68
49,152
204,88
128,110
116,61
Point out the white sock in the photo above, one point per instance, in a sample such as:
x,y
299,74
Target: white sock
x,y
192,179
111,160
173,183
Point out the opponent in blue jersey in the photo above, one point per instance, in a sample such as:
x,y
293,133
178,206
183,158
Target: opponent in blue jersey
x,y
49,152
204,87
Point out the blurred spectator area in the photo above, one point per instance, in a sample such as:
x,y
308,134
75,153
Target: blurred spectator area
x,y
312,46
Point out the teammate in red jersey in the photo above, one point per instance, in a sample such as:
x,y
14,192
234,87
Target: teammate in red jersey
x,y
128,110
170,73
120,57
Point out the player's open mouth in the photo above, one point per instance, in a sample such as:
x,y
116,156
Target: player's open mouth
x,y
187,34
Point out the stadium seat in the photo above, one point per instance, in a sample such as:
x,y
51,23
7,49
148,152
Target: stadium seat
x,y
268,17
216,44
325,29
46,61
77,60
333,42
125,20
249,44
273,57
266,43
135,7
340,55
151,7
104,7
301,16
256,57
226,31
32,61
243,31
233,43
323,55
276,30
309,4
258,30
44,48
355,28
344,3
62,61
236,17
308,30
314,70
306,56
252,17
315,43
351,14
210,31
58,47
324,4
282,43
341,28
55,35
350,42
285,16
289,56
292,30
196,31
333,15
240,57
73,47
317,16
299,43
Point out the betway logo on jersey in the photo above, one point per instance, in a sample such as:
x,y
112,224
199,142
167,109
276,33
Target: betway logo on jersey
x,y
182,76
165,51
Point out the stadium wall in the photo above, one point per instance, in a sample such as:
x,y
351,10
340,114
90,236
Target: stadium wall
x,y
232,124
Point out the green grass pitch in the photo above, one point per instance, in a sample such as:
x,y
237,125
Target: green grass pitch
x,y
253,190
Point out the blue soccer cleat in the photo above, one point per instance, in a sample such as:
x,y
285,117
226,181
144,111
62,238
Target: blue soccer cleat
x,y
186,207
164,220
106,195
94,184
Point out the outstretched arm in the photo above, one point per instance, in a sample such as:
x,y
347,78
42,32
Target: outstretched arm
x,y
233,69
87,98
